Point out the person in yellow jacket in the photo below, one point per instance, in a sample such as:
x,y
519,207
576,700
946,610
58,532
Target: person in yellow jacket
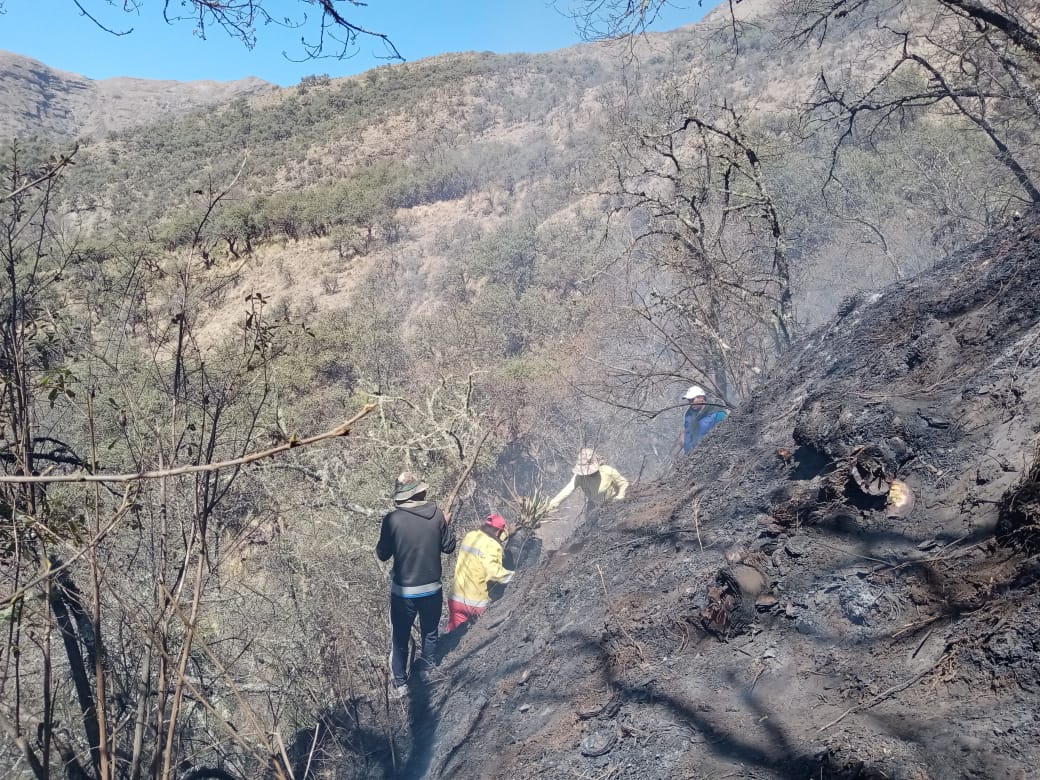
x,y
598,481
480,562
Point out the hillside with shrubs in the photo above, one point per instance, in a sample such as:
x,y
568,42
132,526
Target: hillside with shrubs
x,y
226,330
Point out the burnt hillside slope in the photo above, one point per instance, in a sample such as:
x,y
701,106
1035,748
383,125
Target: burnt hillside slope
x,y
760,616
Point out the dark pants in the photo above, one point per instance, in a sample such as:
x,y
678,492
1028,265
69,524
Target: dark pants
x,y
402,616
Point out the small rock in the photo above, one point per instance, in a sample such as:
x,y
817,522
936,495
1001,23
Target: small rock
x,y
898,446
795,548
918,594
856,602
523,707
928,544
599,744
935,421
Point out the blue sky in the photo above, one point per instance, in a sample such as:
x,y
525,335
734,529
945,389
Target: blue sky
x,y
57,34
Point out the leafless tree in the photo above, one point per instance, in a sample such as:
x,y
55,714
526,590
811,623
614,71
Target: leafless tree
x,y
694,194
977,61
616,19
118,662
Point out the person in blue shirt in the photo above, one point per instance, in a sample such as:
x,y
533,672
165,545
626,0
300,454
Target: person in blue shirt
x,y
700,417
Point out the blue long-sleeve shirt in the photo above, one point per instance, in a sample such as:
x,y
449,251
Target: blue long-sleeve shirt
x,y
697,423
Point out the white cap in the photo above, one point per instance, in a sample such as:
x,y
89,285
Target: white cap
x,y
693,392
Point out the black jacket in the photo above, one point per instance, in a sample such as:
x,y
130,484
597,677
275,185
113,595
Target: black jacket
x,y
415,536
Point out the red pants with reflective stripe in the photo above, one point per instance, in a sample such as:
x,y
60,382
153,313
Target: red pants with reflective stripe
x,y
459,613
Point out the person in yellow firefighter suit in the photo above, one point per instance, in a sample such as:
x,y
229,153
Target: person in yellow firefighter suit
x,y
480,562
598,481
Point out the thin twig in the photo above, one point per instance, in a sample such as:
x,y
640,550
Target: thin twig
x,y
697,522
915,625
754,682
624,631
50,173
854,555
454,494
50,571
921,643
884,694
942,558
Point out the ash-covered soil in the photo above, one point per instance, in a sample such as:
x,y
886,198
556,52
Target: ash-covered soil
x,y
763,615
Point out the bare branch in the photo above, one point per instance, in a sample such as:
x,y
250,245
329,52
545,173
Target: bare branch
x,y
99,23
1015,29
339,431
51,172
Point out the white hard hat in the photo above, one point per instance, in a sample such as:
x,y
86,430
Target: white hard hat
x,y
693,392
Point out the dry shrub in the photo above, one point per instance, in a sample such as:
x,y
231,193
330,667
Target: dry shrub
x,y
1018,524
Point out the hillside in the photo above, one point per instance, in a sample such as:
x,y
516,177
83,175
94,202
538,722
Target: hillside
x,y
485,263
39,101
891,643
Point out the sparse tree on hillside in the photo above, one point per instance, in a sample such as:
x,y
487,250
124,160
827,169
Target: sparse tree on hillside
x,y
717,296
123,657
31,345
977,60
614,19
605,19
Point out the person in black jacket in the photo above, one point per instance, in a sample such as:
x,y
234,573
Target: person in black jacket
x,y
415,534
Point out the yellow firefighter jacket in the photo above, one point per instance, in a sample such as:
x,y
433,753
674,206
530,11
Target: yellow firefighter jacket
x,y
480,562
606,484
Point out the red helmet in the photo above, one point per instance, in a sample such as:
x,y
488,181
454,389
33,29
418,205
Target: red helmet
x,y
497,522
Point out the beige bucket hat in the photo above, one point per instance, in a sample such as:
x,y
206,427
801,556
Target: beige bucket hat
x,y
588,462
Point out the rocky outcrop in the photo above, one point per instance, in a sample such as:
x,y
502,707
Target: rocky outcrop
x,y
42,101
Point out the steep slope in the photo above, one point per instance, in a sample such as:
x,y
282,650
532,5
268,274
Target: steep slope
x,y
42,101
898,642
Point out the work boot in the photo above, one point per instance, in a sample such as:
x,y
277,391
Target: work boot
x,y
398,691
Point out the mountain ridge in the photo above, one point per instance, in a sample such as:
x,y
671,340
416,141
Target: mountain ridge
x,y
46,101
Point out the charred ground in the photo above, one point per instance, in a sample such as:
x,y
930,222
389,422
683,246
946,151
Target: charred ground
x,y
885,642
